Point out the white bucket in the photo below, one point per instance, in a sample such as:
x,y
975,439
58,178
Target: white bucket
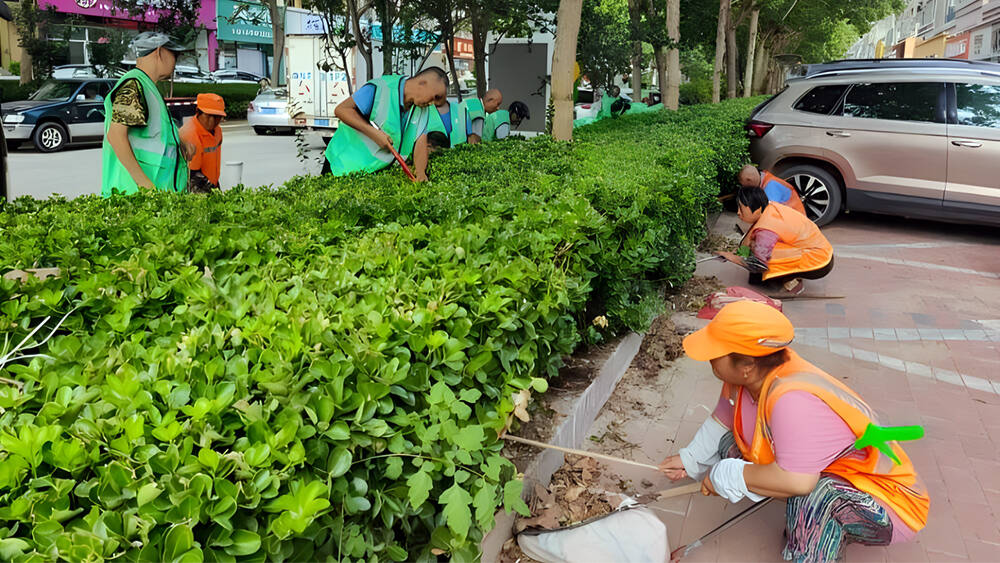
x,y
231,174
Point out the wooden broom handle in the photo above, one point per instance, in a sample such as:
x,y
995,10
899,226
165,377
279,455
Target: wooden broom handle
x,y
580,452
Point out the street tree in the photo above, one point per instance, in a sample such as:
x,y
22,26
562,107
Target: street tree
x,y
563,62
603,47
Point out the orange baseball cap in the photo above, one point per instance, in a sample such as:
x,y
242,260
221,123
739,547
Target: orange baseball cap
x,y
212,104
744,327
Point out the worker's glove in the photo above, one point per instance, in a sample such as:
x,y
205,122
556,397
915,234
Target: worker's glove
x,y
727,480
703,452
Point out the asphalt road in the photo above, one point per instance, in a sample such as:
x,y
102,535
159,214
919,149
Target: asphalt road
x,y
267,160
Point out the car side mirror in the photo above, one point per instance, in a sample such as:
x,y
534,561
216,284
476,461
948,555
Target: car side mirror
x,y
81,98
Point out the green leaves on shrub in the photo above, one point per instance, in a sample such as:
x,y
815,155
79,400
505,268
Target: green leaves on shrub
x,y
319,372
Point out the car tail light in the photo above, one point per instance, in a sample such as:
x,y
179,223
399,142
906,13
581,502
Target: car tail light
x,y
585,106
757,129
250,107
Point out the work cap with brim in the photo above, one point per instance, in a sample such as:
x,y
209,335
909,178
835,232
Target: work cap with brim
x,y
149,41
743,327
212,104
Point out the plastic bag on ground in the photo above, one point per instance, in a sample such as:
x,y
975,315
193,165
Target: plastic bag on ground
x,y
635,535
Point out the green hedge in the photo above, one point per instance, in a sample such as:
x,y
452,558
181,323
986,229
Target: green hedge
x,y
318,372
237,96
13,91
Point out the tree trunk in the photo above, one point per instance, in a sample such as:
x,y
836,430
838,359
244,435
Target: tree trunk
x,y
672,96
563,61
661,71
364,47
27,74
449,51
388,20
732,76
760,66
278,33
479,30
635,17
720,50
751,53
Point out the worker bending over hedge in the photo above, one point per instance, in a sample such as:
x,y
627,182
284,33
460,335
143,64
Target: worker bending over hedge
x,y
389,111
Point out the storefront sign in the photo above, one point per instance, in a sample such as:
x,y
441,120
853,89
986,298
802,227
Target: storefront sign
x,y
106,9
243,21
463,48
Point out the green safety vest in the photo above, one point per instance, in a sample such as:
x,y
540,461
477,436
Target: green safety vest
x,y
493,122
459,135
606,102
475,108
156,145
352,151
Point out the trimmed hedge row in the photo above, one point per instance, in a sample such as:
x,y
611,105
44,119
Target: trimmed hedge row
x,y
237,96
319,372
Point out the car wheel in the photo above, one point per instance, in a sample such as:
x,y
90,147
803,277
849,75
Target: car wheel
x,y
260,130
821,193
49,137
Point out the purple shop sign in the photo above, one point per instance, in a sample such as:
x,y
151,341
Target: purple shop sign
x,y
106,9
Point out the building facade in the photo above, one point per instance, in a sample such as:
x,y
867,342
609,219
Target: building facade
x,y
100,16
959,29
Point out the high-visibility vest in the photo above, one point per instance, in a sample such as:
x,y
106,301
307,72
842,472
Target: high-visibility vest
x,y
475,108
869,470
794,201
456,114
606,101
801,247
156,145
352,151
493,122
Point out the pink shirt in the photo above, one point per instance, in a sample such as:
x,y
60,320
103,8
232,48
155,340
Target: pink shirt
x,y
807,435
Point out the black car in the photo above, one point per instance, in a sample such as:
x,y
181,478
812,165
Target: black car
x,y
60,112
69,110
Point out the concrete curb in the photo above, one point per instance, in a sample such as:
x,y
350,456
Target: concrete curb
x,y
571,433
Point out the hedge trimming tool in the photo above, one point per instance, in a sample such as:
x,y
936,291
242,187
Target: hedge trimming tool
x,y
879,436
399,158
578,452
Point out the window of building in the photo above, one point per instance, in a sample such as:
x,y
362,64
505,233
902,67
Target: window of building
x,y
977,45
949,13
821,99
907,101
926,12
978,105
996,40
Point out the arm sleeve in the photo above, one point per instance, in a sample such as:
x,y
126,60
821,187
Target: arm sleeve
x,y
503,131
468,125
808,435
364,98
702,453
477,126
761,246
128,105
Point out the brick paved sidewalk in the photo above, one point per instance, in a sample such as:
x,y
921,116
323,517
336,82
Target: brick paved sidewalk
x,y
917,335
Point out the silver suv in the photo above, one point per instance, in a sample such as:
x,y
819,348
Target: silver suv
x,y
910,137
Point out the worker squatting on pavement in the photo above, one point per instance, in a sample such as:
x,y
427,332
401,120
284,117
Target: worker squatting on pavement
x,y
142,147
777,190
784,246
783,428
205,135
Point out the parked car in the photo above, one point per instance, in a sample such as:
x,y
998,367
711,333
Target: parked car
x,y
191,74
231,75
68,111
85,71
268,112
911,137
60,112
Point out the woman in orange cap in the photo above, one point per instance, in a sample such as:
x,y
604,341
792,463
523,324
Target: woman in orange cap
x,y
785,246
783,428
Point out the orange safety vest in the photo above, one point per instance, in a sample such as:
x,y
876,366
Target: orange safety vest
x,y
207,148
869,470
794,201
801,247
